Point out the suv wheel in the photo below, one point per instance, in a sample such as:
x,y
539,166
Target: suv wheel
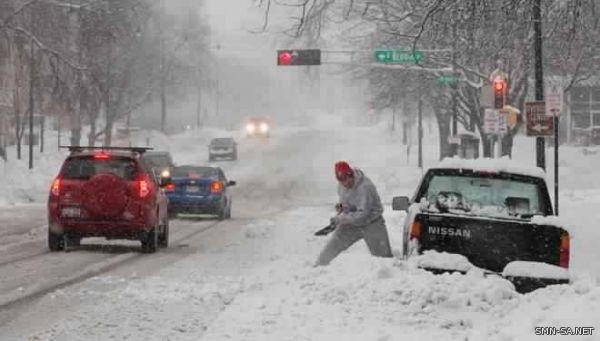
x,y
150,241
56,241
222,213
163,239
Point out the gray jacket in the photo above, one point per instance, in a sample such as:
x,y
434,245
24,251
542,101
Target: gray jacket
x,y
361,203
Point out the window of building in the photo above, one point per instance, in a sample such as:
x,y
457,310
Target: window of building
x,y
595,93
596,119
580,94
580,120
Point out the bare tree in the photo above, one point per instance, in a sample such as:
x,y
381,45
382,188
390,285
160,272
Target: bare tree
x,y
478,34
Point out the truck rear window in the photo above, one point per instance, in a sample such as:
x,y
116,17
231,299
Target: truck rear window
x,y
84,168
484,195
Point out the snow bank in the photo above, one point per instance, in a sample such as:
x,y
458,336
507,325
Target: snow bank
x,y
535,270
442,260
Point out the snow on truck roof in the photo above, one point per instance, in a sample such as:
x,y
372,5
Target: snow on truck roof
x,y
504,165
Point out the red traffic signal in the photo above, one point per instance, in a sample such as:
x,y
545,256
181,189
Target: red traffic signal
x,y
499,93
499,85
284,58
299,57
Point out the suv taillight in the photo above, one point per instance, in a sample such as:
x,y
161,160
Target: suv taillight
x,y
565,248
55,188
144,187
216,187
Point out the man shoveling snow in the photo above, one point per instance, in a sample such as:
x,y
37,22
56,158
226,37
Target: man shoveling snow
x,y
359,216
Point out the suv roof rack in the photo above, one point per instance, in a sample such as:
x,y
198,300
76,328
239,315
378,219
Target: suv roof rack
x,y
140,150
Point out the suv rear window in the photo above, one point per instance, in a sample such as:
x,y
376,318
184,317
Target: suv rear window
x,y
194,172
83,168
222,142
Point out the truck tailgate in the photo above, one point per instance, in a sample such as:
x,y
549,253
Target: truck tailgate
x,y
490,243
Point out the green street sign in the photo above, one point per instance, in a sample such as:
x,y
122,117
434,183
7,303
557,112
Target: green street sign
x,y
450,79
398,56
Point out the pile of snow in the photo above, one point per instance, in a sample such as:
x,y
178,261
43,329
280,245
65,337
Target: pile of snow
x,y
431,259
534,270
23,185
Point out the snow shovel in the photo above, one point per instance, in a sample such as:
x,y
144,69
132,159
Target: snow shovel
x,y
326,230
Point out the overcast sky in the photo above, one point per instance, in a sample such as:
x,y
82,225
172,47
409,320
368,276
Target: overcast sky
x,y
250,82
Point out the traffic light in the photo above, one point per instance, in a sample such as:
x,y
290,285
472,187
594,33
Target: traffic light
x,y
499,93
298,57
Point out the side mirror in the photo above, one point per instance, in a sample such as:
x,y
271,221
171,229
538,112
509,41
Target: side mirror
x,y
231,183
400,203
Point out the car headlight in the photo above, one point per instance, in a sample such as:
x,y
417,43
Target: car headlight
x,y
250,128
264,127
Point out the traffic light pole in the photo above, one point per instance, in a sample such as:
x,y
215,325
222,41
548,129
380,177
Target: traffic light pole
x,y
540,149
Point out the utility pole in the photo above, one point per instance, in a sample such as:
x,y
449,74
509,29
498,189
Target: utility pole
x,y
163,74
218,95
76,133
31,92
540,143
454,88
42,128
108,86
420,132
58,134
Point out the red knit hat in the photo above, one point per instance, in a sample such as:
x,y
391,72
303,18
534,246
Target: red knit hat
x,y
343,170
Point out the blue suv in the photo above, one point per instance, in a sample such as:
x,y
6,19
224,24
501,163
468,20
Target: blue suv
x,y
199,190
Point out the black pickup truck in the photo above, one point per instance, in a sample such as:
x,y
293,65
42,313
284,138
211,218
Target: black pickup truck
x,y
486,216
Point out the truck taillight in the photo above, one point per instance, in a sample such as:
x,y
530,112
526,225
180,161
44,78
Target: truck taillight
x,y
216,187
415,230
55,188
565,246
170,187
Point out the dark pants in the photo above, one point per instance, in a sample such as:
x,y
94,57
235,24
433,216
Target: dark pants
x,y
374,234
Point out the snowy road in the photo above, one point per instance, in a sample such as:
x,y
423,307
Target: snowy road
x,y
250,278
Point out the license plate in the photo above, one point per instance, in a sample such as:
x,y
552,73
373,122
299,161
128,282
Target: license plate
x,y
193,189
71,212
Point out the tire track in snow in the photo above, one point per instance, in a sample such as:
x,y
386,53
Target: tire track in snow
x,y
90,271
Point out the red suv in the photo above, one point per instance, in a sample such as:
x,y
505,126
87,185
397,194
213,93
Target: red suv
x,y
107,192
